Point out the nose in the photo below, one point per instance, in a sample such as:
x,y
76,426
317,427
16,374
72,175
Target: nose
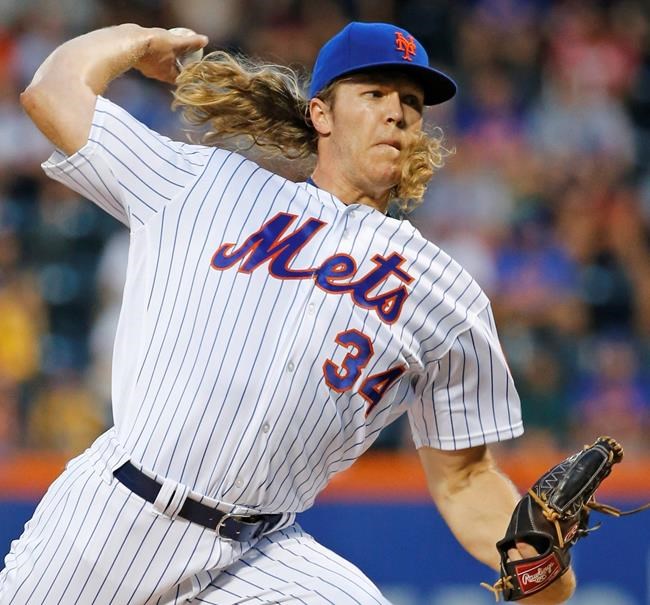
x,y
394,111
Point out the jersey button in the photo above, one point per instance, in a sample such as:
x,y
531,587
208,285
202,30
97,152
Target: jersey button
x,y
266,427
239,482
311,308
290,366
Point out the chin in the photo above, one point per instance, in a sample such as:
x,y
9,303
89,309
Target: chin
x,y
388,178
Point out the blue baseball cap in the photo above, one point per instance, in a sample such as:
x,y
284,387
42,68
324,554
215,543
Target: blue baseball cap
x,y
369,46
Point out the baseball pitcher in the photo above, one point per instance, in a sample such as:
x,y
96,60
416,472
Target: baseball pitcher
x,y
269,329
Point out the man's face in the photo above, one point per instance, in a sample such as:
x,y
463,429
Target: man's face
x,y
368,123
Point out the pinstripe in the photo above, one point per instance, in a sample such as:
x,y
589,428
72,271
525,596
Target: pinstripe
x,y
181,574
494,413
153,556
225,490
438,278
66,561
440,302
467,429
49,504
127,151
118,213
264,572
508,405
178,331
88,187
167,277
158,317
60,505
261,588
435,416
132,173
216,380
282,411
330,569
478,404
378,358
101,551
230,592
108,571
290,463
452,329
299,566
451,416
326,569
202,332
144,141
110,198
57,546
326,469
161,229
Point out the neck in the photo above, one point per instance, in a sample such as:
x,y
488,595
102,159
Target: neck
x,y
349,193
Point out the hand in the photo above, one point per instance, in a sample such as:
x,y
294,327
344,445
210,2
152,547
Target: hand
x,y
556,592
163,48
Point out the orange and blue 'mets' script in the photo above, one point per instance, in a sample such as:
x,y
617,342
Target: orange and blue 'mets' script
x,y
271,243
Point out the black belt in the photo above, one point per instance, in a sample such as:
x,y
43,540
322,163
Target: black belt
x,y
240,528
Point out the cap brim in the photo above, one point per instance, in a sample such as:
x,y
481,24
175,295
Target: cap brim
x,y
437,87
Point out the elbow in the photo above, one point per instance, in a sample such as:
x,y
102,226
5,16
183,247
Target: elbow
x,y
33,99
463,476
63,119
27,98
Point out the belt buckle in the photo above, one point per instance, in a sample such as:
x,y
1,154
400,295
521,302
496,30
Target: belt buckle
x,y
222,522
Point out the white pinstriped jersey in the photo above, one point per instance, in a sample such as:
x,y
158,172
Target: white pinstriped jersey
x,y
268,331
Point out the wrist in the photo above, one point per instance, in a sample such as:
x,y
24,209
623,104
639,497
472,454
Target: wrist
x,y
556,593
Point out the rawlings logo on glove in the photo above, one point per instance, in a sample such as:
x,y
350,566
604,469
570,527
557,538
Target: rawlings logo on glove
x,y
552,517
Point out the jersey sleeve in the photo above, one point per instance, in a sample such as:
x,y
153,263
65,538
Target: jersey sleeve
x,y
126,168
468,398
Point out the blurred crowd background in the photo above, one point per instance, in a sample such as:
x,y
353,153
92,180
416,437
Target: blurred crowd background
x,y
546,200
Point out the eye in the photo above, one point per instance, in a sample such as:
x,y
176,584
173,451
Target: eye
x,y
374,93
413,101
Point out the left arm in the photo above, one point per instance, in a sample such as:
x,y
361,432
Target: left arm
x,y
476,501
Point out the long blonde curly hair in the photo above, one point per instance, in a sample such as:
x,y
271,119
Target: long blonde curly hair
x,y
262,105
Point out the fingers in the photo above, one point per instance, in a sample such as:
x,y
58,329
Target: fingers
x,y
166,49
522,551
526,550
194,42
190,50
187,40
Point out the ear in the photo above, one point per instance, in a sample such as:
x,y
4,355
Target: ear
x,y
321,116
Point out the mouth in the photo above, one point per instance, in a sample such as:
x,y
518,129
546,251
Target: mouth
x,y
394,143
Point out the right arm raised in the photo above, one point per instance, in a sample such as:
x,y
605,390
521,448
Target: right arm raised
x,y
61,97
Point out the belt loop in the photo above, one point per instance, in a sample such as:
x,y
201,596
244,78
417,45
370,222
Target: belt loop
x,y
171,498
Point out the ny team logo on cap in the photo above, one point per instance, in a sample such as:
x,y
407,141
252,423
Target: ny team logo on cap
x,y
405,45
360,47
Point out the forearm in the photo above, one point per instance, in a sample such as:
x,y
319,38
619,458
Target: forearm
x,y
61,98
94,59
477,505
477,501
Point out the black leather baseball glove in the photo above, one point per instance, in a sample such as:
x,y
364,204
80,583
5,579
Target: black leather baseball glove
x,y
552,517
